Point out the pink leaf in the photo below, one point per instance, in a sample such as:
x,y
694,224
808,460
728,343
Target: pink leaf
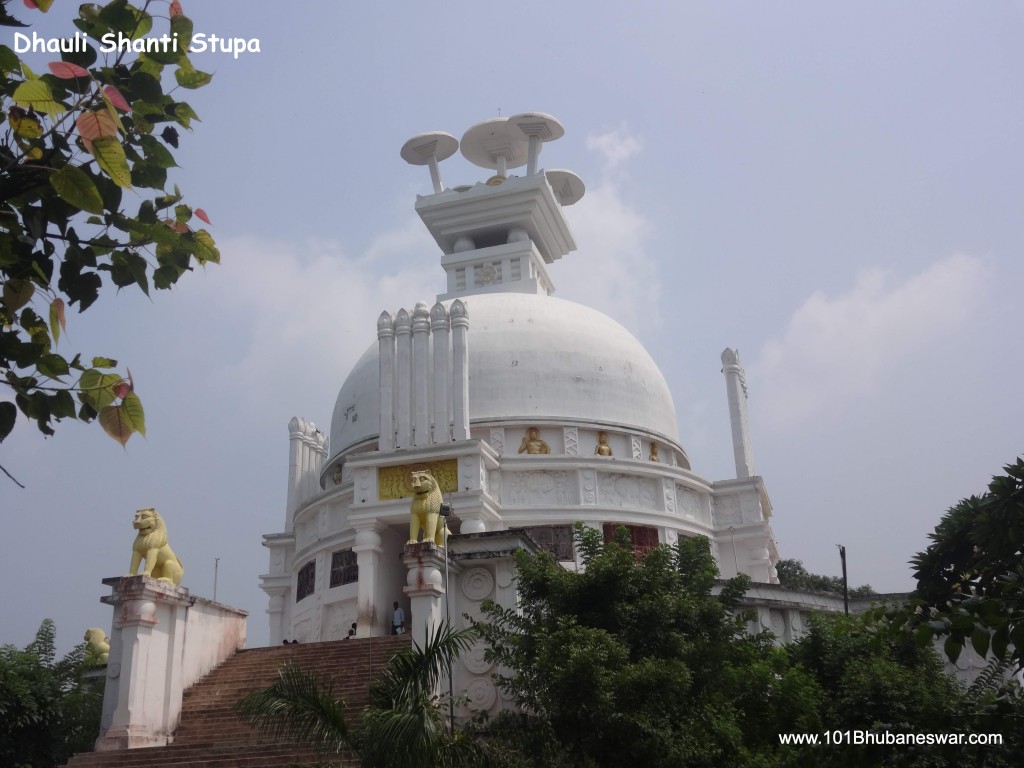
x,y
117,99
30,4
95,125
65,70
174,9
201,214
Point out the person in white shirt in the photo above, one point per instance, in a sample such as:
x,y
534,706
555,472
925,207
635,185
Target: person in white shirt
x,y
398,621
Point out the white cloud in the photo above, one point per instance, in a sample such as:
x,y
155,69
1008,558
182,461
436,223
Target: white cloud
x,y
615,147
836,350
306,311
611,270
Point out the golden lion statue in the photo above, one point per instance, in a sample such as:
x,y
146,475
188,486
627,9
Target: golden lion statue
x,y
425,509
97,646
151,545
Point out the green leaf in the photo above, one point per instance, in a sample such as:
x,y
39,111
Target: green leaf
x,y
980,641
190,77
97,389
110,156
36,95
53,365
204,248
157,153
76,187
8,415
17,293
184,114
57,322
124,420
181,25
132,405
952,648
103,362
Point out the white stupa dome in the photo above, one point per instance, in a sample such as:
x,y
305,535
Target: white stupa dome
x,y
532,359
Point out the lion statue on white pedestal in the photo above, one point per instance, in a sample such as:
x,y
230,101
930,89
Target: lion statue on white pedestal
x,y
425,510
151,545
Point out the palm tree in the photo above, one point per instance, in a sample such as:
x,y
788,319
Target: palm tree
x,y
403,727
299,707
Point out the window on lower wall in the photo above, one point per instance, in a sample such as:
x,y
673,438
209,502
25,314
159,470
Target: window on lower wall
x,y
556,539
307,581
644,537
343,568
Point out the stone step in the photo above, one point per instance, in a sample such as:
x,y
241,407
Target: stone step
x,y
211,734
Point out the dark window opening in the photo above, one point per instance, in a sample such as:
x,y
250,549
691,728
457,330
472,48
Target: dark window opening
x,y
343,568
307,581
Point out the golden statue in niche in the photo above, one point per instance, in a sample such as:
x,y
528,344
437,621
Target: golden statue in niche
x,y
602,448
654,452
532,442
393,482
425,509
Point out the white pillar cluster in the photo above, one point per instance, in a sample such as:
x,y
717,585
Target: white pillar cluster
x,y
424,376
736,389
306,455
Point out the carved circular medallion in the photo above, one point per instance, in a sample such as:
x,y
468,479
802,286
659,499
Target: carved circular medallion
x,y
481,693
477,583
505,577
475,661
486,274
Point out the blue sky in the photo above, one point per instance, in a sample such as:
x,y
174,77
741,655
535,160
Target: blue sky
x,y
832,188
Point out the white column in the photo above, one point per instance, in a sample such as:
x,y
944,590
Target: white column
x,y
460,370
421,374
403,376
386,354
425,588
736,389
294,472
368,551
440,332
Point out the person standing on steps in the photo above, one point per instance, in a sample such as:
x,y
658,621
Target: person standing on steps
x,y
398,621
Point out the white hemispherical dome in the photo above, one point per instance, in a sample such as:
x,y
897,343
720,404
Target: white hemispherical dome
x,y
532,358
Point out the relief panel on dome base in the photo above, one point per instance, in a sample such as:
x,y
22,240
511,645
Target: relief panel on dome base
x,y
618,490
538,488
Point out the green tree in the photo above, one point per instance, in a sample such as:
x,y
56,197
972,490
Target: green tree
x,y
49,710
73,141
637,662
970,580
405,725
792,573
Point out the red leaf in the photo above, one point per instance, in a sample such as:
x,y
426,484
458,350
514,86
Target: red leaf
x,y
30,4
65,70
122,389
201,214
117,99
96,125
174,9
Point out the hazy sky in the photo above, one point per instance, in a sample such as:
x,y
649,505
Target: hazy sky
x,y
834,189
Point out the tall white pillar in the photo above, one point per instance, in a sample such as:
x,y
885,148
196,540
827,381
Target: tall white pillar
x,y
440,332
368,551
460,370
295,452
386,349
736,389
421,374
403,376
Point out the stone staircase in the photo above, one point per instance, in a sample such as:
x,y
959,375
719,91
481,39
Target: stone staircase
x,y
211,734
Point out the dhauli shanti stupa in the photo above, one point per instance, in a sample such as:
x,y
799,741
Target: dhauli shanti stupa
x,y
532,412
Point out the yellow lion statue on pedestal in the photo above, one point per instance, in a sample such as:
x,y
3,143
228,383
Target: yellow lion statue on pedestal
x,y
425,509
97,646
151,545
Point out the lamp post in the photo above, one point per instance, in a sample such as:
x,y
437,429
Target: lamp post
x,y
446,513
846,586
